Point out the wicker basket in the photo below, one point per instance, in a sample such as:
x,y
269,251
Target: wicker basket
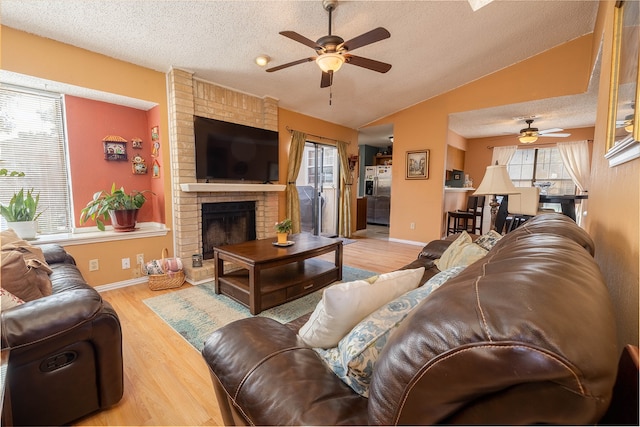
x,y
173,279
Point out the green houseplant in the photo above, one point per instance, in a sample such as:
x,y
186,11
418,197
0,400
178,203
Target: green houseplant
x,y
283,228
22,212
117,204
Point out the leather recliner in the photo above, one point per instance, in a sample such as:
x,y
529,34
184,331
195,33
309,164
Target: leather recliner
x,y
65,350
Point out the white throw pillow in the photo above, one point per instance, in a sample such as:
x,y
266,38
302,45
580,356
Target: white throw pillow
x,y
462,252
344,305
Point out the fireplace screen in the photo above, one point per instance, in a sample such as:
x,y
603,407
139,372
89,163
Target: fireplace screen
x,y
226,224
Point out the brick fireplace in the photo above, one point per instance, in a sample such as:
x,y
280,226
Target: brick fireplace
x,y
189,97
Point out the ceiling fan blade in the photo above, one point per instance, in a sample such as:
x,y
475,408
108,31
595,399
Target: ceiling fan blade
x,y
557,135
290,64
327,79
372,36
301,39
551,130
371,64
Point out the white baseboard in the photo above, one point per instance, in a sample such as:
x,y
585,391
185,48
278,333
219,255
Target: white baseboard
x,y
408,242
121,284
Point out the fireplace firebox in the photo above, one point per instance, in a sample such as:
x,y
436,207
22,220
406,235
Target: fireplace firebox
x,y
227,223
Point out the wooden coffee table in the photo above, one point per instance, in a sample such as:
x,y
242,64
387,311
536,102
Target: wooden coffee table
x,y
272,275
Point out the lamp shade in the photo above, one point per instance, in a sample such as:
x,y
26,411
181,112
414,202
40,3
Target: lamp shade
x,y
496,181
330,62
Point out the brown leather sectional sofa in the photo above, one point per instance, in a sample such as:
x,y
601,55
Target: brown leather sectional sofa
x,y
525,335
65,350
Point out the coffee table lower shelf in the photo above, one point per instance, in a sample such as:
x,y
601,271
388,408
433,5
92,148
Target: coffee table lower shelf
x,y
281,284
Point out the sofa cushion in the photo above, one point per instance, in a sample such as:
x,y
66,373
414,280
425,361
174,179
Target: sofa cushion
x,y
462,252
24,272
354,358
345,304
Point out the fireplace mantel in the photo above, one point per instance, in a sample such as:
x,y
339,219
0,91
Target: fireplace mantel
x,y
214,187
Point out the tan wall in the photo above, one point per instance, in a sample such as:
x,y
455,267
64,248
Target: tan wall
x,y
296,121
613,220
40,57
563,70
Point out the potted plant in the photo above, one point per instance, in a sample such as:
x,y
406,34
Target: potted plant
x,y
117,204
21,213
283,228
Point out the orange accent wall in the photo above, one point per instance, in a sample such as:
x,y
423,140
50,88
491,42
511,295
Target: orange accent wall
x,y
48,59
88,122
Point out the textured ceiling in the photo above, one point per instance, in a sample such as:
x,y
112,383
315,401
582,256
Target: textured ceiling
x,y
435,46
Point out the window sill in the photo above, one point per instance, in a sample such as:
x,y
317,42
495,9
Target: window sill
x,y
93,235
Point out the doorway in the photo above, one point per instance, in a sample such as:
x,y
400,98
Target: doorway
x,y
318,186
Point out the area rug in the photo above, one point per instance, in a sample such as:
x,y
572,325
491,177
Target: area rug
x,y
196,311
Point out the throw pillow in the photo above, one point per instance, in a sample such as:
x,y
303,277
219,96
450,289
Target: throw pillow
x,y
355,356
489,240
461,252
344,305
24,272
8,300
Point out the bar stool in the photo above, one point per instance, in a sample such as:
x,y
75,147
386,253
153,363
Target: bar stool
x,y
467,220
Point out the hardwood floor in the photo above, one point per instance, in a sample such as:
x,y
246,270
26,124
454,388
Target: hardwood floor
x,y
166,381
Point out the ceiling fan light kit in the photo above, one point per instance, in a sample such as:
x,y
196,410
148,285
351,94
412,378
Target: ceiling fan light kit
x,y
330,62
530,135
262,60
333,51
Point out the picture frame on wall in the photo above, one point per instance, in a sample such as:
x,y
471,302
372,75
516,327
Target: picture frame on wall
x,y
417,164
115,150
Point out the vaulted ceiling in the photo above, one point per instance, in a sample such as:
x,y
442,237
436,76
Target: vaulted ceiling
x,y
435,46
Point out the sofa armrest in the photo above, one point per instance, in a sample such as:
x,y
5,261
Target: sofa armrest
x,y
48,316
435,249
252,355
54,254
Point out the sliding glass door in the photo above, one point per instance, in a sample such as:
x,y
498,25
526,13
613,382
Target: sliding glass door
x,y
318,187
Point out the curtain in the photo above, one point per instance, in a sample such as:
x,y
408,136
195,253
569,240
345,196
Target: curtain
x,y
575,156
296,149
344,218
503,155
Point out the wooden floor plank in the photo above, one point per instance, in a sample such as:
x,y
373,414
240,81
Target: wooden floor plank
x,y
166,380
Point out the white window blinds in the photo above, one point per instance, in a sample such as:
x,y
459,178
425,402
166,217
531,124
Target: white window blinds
x,y
32,141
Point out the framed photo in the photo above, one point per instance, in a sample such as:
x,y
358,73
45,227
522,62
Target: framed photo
x,y
418,164
115,150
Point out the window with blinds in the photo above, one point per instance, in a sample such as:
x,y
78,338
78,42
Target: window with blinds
x,y
32,141
537,166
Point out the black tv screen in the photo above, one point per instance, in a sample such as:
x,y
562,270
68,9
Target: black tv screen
x,y
233,152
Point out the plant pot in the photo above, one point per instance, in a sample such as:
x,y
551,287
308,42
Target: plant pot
x,y
27,230
124,220
282,238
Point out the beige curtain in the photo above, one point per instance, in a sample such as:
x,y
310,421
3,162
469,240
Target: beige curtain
x,y
503,155
296,149
344,219
575,157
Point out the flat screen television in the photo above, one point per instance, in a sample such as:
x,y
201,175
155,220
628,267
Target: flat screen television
x,y
231,152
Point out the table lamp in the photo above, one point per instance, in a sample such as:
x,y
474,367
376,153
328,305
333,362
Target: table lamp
x,y
496,181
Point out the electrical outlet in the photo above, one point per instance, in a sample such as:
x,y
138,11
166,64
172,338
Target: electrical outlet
x,y
93,265
412,226
140,259
126,263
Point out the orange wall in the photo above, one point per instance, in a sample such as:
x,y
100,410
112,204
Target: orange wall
x,y
311,125
44,58
614,220
562,70
88,122
479,154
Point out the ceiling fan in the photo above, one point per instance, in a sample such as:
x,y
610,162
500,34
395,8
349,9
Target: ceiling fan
x,y
529,135
332,51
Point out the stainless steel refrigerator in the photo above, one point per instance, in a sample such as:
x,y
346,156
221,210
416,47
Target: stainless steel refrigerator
x,y
377,187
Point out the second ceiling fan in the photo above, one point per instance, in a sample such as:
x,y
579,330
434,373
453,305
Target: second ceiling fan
x,y
529,135
332,51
